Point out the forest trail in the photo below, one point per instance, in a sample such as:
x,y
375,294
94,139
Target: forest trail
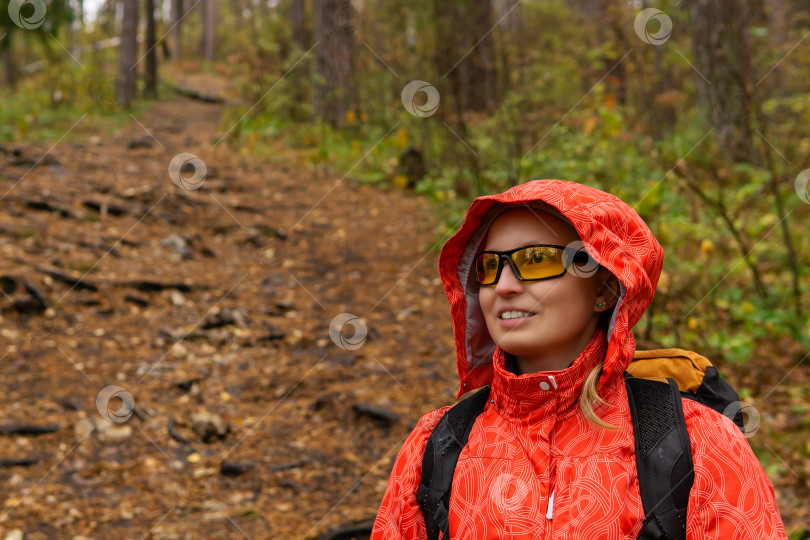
x,y
211,307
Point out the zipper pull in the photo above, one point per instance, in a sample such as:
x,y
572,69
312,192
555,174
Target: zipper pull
x,y
550,511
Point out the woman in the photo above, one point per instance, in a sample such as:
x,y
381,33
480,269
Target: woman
x,y
552,454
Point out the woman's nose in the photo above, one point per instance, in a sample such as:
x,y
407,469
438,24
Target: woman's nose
x,y
508,282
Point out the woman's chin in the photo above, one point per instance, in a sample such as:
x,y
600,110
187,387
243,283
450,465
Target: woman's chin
x,y
520,347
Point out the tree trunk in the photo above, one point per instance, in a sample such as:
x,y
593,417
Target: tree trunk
x,y
73,29
210,31
592,11
509,29
508,16
203,25
481,77
208,12
471,53
107,15
296,16
127,71
150,69
778,12
10,70
10,67
779,17
298,23
177,16
719,30
333,60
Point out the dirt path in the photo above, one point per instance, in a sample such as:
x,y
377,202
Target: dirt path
x,y
212,306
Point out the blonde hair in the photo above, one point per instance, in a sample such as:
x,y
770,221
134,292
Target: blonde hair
x,y
590,396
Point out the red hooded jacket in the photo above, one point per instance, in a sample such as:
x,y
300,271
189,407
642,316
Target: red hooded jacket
x,y
534,466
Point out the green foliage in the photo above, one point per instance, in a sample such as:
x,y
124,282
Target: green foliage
x,y
563,116
56,16
575,105
580,98
46,103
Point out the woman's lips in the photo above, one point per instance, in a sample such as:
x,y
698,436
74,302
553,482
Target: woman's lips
x,y
511,323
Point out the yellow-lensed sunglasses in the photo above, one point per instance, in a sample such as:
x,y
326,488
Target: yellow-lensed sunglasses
x,y
534,262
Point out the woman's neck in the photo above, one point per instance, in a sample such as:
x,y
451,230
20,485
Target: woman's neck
x,y
556,359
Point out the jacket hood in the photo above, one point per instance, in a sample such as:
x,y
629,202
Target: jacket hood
x,y
610,231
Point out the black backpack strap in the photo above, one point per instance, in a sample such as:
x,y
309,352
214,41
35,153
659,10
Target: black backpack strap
x,y
439,461
663,456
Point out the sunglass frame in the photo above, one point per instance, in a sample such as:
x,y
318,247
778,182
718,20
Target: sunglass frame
x,y
507,255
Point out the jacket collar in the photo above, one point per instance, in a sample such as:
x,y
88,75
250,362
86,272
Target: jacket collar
x,y
545,393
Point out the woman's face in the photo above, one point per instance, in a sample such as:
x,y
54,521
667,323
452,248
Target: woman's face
x,y
564,309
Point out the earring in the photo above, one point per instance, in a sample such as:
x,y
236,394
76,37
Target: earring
x,y
599,305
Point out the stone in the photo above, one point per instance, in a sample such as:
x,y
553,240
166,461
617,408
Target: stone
x,y
210,427
178,244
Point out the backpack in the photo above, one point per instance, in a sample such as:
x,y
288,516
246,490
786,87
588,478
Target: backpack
x,y
663,454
